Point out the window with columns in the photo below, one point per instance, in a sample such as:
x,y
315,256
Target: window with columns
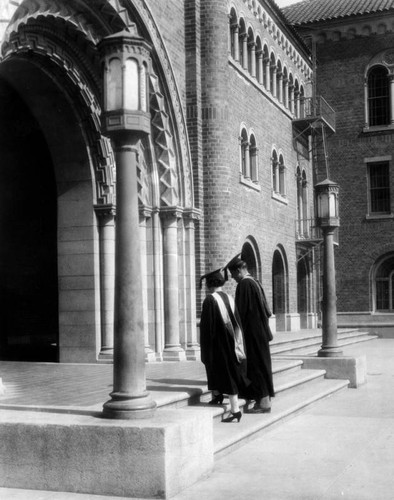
x,y
233,35
378,82
278,174
249,157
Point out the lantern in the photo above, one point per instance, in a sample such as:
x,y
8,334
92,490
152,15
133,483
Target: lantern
x,y
127,63
327,203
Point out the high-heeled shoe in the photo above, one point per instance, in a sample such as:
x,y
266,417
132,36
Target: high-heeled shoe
x,y
216,400
232,417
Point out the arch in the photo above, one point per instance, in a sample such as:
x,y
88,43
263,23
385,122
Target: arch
x,y
233,35
378,95
280,288
55,48
251,255
253,157
383,284
244,143
251,52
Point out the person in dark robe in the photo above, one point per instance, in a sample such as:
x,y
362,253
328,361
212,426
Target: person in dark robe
x,y
222,344
254,312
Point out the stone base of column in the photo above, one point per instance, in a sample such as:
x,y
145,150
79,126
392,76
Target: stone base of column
x,y
174,354
106,355
155,458
193,353
329,352
150,355
128,407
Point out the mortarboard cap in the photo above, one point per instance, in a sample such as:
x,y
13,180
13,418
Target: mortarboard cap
x,y
235,262
215,276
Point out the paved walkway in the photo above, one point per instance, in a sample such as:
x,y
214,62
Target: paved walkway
x,y
342,447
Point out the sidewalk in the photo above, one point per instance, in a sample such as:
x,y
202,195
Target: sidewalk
x,y
342,447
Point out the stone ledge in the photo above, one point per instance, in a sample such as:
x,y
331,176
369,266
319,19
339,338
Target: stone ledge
x,y
157,457
353,369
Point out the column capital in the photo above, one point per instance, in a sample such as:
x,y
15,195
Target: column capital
x,y
171,212
105,210
192,213
145,211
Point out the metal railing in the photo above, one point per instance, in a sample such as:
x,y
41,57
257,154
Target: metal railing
x,y
314,108
307,230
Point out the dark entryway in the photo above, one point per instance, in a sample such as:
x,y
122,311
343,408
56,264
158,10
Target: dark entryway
x,y
28,236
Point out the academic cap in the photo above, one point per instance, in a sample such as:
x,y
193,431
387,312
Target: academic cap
x,y
235,262
218,275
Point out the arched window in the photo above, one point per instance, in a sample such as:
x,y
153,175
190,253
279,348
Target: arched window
x,y
296,109
253,159
279,80
234,29
290,95
275,172
378,96
302,204
302,102
251,53
282,171
259,61
273,75
384,284
243,44
245,165
266,65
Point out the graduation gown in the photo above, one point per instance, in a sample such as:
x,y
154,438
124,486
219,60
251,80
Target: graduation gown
x,y
254,313
220,353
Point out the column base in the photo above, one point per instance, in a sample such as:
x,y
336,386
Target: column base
x,y
193,353
174,354
329,352
129,407
150,355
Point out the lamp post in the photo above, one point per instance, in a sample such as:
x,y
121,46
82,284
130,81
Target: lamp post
x,y
328,220
126,120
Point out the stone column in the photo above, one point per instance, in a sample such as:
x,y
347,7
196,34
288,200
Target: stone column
x,y
158,283
172,350
145,213
329,346
193,347
106,217
130,398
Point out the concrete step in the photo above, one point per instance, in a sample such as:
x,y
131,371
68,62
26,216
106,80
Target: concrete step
x,y
285,405
310,344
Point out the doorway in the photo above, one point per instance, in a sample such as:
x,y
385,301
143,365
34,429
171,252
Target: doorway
x,y
28,236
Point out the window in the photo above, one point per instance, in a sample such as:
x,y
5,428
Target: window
x,y
244,154
379,188
253,159
384,283
378,96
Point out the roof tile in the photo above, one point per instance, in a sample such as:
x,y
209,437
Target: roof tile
x,y
309,11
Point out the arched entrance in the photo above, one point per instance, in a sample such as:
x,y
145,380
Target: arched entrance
x,y
384,285
303,292
279,289
28,224
51,61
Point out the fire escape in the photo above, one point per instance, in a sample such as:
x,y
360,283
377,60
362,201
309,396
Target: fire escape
x,y
316,121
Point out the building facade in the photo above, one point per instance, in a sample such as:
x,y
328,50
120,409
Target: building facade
x,y
353,46
223,169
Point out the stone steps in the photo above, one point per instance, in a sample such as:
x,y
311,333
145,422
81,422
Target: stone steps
x,y
311,343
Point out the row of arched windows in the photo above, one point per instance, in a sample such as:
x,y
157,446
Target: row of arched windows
x,y
248,50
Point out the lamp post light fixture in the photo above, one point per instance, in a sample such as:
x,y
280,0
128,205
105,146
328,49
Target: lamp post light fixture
x,y
328,220
126,120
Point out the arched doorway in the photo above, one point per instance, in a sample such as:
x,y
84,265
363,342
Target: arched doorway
x,y
303,292
279,289
28,235
384,285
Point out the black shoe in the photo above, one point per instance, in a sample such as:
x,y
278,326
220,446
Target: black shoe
x,y
232,417
259,410
217,400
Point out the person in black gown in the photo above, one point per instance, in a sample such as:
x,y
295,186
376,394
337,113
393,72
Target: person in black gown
x,y
222,344
254,312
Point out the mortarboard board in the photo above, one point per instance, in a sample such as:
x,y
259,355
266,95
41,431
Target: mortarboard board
x,y
214,275
235,262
